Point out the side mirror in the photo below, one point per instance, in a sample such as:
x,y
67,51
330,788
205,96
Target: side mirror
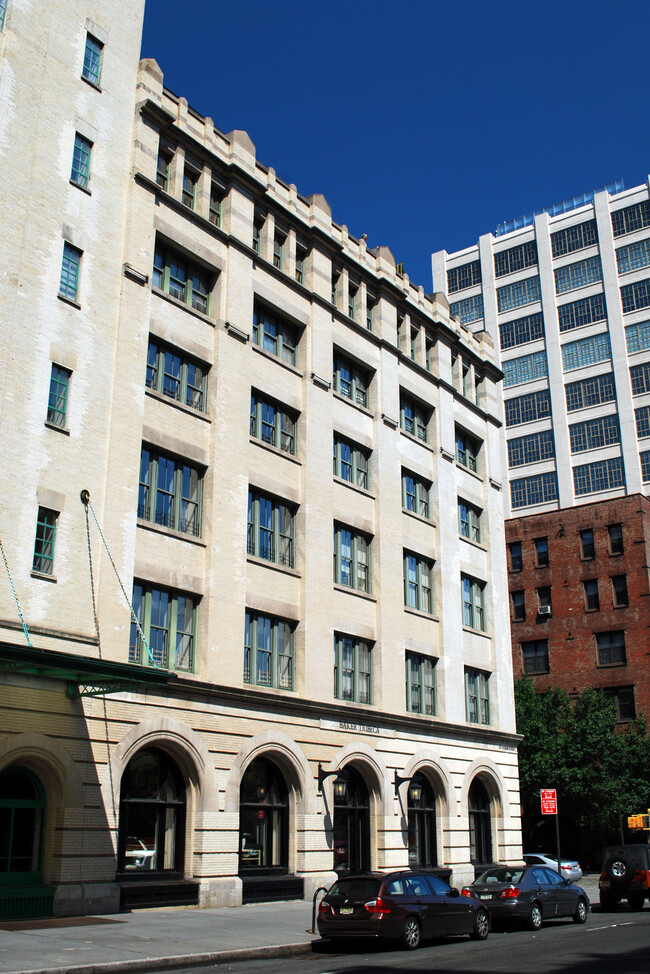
x,y
453,892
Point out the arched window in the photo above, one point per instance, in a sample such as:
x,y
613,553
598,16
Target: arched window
x,y
480,825
22,814
152,816
263,819
351,822
421,823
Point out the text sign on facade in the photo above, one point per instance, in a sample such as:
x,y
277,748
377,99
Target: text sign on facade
x,y
549,801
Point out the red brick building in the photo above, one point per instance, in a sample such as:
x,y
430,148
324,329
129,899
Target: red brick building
x,y
579,581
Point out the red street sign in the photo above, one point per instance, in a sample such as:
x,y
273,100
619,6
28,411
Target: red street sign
x,y
549,801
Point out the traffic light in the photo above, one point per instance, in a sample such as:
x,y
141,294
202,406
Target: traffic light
x,y
638,821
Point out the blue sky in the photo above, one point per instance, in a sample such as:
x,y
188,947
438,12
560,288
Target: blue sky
x,y
423,123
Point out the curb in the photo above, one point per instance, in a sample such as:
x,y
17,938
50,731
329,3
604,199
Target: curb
x,y
179,961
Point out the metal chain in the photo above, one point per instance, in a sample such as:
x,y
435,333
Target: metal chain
x,y
92,583
11,582
85,498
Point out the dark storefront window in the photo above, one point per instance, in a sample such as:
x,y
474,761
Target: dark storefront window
x,y
263,819
152,816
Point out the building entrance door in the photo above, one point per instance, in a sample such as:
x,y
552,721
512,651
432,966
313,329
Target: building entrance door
x,y
351,823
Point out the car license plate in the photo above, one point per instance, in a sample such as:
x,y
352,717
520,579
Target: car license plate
x,y
486,896
346,910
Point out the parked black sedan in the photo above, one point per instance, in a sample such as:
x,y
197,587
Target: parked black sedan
x,y
404,905
530,895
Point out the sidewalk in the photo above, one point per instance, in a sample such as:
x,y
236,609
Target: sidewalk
x,y
154,939
165,938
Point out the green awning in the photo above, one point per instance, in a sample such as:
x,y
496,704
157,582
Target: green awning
x,y
85,677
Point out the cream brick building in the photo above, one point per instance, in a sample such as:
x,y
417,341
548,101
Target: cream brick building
x,y
293,455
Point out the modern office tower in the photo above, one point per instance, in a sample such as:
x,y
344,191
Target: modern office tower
x,y
565,294
253,612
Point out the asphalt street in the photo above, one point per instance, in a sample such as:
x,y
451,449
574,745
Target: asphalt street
x,y
607,943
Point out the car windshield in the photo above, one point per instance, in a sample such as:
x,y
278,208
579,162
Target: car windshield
x,y
361,888
500,876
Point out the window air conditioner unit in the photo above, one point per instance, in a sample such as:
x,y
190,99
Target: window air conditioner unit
x,y
544,610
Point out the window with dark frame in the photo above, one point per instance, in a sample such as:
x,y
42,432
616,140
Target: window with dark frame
x,y
268,651
170,492
535,656
615,535
592,598
80,171
351,558
518,605
272,423
92,63
350,462
415,493
57,405
619,591
541,552
611,648
352,669
516,556
623,700
270,528
176,375
46,524
169,621
420,684
587,546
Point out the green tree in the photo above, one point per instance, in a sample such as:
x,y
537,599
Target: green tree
x,y
601,773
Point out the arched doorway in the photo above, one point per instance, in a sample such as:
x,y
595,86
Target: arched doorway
x,y
263,819
152,817
422,845
22,822
480,824
351,822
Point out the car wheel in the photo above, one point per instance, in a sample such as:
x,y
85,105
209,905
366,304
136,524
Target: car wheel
x,y
608,903
580,915
635,901
481,925
411,933
535,917
619,869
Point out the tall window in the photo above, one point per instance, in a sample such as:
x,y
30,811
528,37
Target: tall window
x,y
301,257
518,605
352,669
268,651
181,279
472,594
216,203
353,300
480,823
92,65
467,449
57,404
541,552
272,423
80,172
535,656
592,598
587,546
350,380
43,561
22,813
623,700
169,622
279,244
351,558
263,819
469,521
516,556
152,816
415,494
350,462
611,648
190,182
642,419
176,375
640,378
3,13
270,529
371,303
615,536
69,282
170,492
165,156
418,583
619,590
258,225
414,418
275,335
420,684
477,696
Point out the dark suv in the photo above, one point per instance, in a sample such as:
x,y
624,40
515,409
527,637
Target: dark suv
x,y
625,876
